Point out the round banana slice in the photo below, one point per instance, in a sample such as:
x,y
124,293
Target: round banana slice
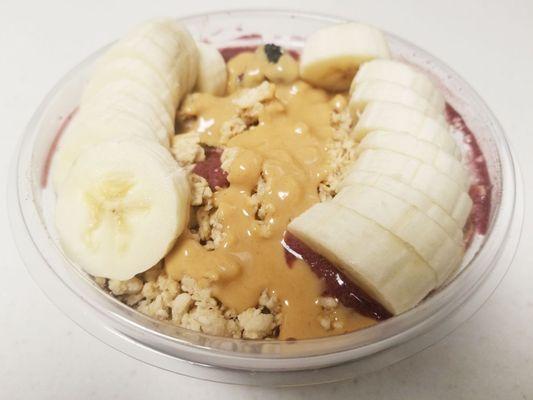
x,y
384,115
121,208
408,223
167,48
171,35
125,96
331,56
169,30
89,127
402,74
424,151
369,91
442,190
212,73
411,196
191,51
132,69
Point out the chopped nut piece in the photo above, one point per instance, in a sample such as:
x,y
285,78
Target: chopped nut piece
x,y
249,97
217,229
154,308
150,290
206,320
270,301
201,193
328,302
186,149
188,285
131,286
167,285
265,209
102,282
133,299
255,324
250,115
228,156
231,128
180,305
325,323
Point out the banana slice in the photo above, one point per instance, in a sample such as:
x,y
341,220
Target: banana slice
x,y
331,56
376,260
117,98
413,197
193,58
125,97
144,48
212,74
112,117
384,115
423,177
424,151
402,74
121,208
179,33
92,126
167,48
133,69
368,91
408,223
171,35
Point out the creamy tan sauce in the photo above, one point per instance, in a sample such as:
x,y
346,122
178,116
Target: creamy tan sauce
x,y
287,148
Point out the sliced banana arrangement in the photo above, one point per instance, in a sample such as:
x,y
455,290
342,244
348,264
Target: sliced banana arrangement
x,y
203,164
122,200
408,180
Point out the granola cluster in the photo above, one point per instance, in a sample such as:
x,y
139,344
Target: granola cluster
x,y
341,149
190,306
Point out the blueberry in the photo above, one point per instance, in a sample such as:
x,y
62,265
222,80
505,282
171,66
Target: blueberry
x,y
273,52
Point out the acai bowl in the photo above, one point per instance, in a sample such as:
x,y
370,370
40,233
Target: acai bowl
x,y
265,360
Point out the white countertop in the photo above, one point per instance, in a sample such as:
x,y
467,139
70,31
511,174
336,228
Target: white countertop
x,y
44,355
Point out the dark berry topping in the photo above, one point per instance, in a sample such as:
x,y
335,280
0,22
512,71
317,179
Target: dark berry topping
x,y
273,52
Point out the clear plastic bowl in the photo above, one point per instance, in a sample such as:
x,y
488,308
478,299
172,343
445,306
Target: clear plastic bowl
x,y
266,362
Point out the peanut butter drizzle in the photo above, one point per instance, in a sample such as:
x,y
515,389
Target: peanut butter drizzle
x,y
287,149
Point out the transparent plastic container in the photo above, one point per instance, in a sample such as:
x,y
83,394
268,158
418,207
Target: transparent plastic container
x,y
267,362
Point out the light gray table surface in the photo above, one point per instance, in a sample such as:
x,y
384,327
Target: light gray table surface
x,y
43,355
